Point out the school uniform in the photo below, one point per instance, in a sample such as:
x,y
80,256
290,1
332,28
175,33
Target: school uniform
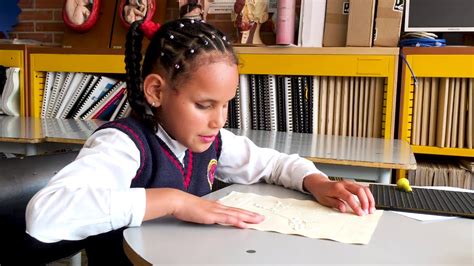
x,y
104,188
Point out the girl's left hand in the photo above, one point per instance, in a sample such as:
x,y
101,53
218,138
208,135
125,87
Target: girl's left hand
x,y
336,194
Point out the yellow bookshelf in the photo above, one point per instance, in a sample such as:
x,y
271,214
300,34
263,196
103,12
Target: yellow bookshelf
x,y
354,62
42,60
433,62
12,55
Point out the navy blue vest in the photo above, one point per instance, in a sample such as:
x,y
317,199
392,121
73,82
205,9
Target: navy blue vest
x,y
159,167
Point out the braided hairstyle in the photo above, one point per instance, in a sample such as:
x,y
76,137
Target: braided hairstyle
x,y
175,50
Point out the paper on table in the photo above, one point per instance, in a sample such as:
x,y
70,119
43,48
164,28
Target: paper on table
x,y
305,217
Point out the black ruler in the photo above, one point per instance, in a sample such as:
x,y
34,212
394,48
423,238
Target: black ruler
x,y
424,200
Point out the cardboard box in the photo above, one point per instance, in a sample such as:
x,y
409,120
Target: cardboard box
x,y
388,22
361,23
335,25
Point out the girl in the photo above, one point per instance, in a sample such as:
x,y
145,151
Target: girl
x,y
165,156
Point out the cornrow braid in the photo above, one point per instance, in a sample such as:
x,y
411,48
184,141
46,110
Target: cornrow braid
x,y
133,58
178,47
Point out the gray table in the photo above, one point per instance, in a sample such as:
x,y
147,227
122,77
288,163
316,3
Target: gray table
x,y
397,240
34,136
368,159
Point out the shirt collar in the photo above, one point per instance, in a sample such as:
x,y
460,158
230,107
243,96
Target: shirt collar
x,y
178,149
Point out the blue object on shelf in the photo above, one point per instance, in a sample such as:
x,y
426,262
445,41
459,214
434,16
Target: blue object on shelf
x,y
423,42
8,16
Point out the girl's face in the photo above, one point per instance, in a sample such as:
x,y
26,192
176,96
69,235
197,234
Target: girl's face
x,y
194,112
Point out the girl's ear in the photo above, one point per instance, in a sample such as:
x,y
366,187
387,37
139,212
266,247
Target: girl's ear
x,y
153,87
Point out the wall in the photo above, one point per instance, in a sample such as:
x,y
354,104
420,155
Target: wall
x,y
41,20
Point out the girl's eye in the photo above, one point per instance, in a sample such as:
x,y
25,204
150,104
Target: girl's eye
x,y
202,106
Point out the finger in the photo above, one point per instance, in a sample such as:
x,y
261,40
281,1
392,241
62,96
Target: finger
x,y
361,194
238,219
242,215
350,199
371,200
334,203
242,212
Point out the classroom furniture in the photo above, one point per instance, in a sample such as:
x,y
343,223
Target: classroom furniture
x,y
350,157
14,55
33,136
431,62
328,61
396,240
20,179
370,159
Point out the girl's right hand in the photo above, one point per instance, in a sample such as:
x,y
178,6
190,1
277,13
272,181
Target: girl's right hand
x,y
190,208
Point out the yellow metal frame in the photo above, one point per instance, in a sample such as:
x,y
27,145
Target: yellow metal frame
x,y
16,58
355,62
432,65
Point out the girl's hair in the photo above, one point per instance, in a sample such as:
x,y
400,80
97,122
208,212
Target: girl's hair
x,y
178,47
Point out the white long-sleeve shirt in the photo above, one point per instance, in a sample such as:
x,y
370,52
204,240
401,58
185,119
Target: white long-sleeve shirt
x,y
92,195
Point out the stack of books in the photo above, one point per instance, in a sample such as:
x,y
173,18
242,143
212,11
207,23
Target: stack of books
x,y
83,96
443,113
443,172
327,105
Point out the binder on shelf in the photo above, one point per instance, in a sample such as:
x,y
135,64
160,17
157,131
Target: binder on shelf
x,y
370,121
417,112
82,94
288,103
330,106
237,104
57,85
365,114
360,118
273,102
281,106
442,112
62,91
315,110
122,103
433,111
103,85
456,109
425,111
337,106
357,109
350,108
323,96
253,102
48,85
76,87
449,116
345,106
104,106
462,113
245,101
470,115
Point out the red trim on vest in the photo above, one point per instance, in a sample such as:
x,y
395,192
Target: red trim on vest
x,y
189,171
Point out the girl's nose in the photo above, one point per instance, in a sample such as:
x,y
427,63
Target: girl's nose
x,y
219,117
